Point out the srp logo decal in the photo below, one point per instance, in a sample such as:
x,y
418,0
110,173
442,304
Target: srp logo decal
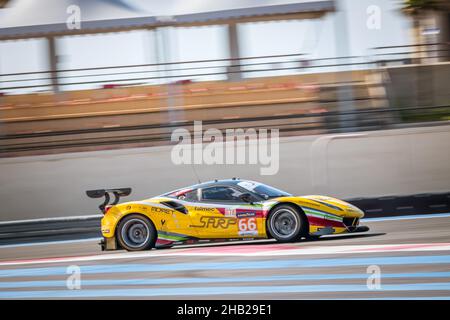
x,y
215,222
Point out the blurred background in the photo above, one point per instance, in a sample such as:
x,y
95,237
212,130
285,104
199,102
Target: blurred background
x,y
91,90
85,75
314,66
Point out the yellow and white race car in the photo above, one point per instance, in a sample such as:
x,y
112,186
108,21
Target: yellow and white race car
x,y
220,210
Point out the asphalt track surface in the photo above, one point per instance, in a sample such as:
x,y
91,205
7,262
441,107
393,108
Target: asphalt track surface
x,y
411,253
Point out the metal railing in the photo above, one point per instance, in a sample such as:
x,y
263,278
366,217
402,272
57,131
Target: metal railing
x,y
216,69
411,54
164,73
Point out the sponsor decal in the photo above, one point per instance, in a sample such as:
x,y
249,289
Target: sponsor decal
x,y
215,222
229,212
162,210
248,227
204,209
245,214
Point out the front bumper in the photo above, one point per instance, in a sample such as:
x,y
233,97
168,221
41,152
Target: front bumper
x,y
360,229
352,224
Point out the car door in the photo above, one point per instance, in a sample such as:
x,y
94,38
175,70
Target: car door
x,y
176,222
221,213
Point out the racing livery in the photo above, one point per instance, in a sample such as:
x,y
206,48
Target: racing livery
x,y
220,210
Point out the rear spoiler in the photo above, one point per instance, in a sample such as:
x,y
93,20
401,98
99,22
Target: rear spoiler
x,y
119,192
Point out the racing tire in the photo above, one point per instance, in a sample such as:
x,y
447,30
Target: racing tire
x,y
286,223
135,233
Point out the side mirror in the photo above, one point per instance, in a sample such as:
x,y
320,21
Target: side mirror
x,y
246,197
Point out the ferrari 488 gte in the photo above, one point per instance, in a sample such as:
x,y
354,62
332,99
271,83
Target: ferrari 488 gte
x,y
220,210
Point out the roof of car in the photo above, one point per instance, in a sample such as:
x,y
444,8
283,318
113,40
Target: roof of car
x,y
212,183
229,182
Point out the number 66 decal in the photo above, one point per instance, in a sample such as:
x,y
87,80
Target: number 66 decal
x,y
247,226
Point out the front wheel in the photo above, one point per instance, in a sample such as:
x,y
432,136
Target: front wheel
x,y
286,223
136,233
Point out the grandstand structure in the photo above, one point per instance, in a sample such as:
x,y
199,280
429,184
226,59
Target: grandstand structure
x,y
120,112
25,19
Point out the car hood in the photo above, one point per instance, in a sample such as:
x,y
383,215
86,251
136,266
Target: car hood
x,y
328,204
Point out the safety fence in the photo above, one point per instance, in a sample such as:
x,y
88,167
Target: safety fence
x,y
217,69
176,72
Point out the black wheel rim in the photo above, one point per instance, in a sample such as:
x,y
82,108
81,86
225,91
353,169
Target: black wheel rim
x,y
135,233
284,223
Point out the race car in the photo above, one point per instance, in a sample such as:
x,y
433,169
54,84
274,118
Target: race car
x,y
219,210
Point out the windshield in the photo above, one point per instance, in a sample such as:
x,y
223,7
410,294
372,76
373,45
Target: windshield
x,y
263,190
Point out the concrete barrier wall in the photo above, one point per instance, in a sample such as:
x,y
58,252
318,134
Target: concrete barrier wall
x,y
367,164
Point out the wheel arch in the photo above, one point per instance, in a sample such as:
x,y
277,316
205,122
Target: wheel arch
x,y
127,215
295,205
135,213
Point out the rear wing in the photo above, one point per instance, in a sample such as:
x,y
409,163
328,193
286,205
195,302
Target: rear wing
x,y
118,193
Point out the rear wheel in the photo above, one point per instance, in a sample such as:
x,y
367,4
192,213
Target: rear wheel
x,y
286,223
136,233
